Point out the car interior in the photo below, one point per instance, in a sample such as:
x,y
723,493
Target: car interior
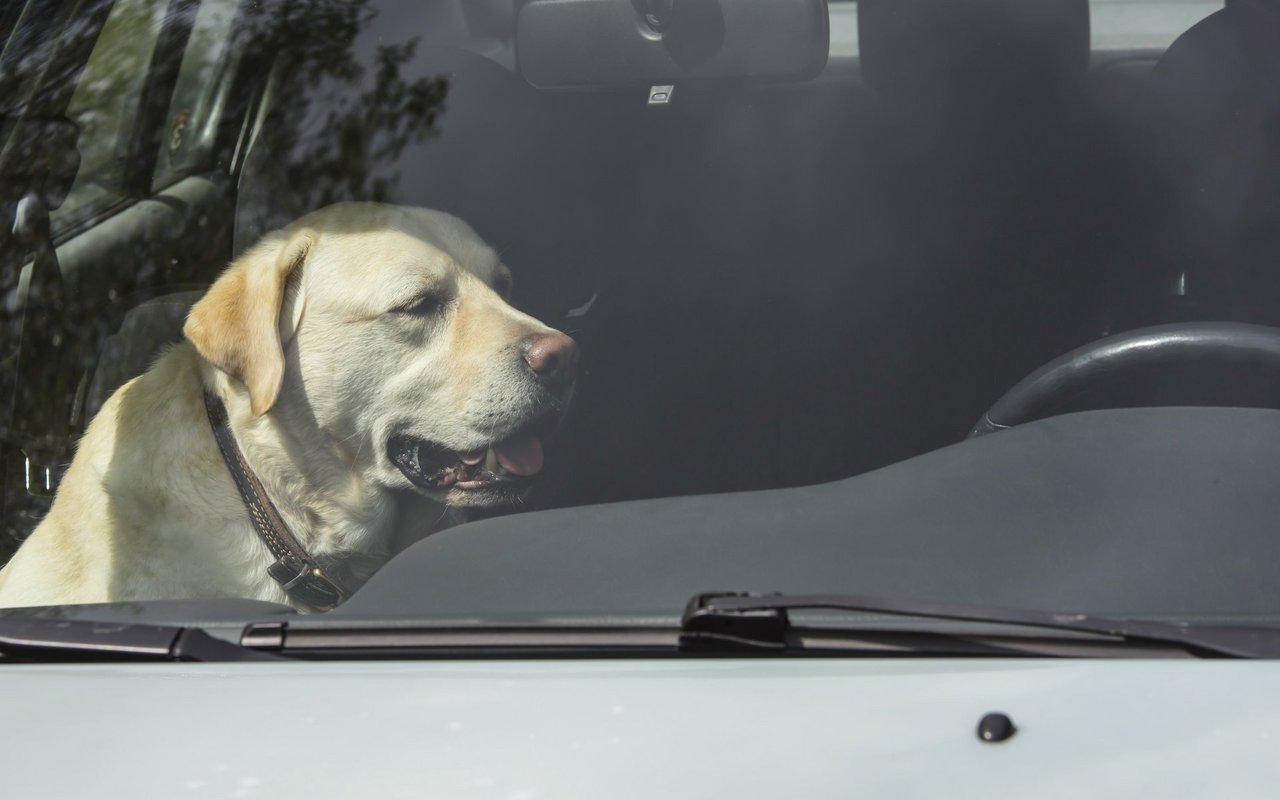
x,y
773,282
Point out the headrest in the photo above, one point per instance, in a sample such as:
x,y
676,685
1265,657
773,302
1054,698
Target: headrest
x,y
1216,114
145,330
974,57
1273,5
1229,49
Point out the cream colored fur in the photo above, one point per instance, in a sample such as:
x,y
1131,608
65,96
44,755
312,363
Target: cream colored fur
x,y
306,340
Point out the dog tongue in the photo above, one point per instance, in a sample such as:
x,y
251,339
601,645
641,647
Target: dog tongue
x,y
520,455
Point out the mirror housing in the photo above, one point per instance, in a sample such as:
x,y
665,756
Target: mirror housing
x,y
614,44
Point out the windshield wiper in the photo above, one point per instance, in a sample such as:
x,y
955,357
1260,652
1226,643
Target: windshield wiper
x,y
28,639
720,621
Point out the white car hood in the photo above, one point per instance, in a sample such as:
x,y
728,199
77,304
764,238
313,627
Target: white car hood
x,y
642,729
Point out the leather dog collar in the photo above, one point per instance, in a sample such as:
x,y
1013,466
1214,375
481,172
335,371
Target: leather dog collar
x,y
294,569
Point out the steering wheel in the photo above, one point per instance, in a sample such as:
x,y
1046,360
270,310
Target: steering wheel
x,y
1158,346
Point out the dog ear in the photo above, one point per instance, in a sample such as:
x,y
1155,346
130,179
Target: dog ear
x,y
236,325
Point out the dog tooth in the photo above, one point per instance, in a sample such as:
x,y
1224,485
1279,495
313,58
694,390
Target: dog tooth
x,y
491,460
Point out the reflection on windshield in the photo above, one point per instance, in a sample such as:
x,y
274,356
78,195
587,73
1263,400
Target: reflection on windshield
x,y
491,260
346,107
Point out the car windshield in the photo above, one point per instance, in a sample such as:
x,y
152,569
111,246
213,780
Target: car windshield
x,y
977,291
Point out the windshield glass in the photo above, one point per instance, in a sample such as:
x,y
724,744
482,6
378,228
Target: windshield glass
x,y
290,287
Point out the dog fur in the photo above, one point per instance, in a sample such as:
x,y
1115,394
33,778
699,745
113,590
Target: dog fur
x,y
355,324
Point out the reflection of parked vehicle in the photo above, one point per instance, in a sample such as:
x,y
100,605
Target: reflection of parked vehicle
x,y
806,251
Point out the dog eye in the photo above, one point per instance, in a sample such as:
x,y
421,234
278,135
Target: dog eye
x,y
428,303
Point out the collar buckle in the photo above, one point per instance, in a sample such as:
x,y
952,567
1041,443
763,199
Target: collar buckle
x,y
307,584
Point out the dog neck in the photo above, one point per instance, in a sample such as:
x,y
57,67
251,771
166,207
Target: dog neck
x,y
334,513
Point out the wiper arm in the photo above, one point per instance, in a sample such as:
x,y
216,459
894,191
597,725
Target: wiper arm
x,y
43,639
717,620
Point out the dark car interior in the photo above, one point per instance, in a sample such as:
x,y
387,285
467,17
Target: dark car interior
x,y
773,283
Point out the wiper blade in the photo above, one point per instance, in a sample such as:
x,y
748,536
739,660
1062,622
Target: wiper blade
x,y
26,639
718,620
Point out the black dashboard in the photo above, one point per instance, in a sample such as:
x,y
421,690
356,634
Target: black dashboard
x,y
1161,512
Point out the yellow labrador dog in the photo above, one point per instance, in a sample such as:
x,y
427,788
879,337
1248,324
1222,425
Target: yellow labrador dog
x,y
365,370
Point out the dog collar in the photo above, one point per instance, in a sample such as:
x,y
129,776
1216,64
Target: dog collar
x,y
294,569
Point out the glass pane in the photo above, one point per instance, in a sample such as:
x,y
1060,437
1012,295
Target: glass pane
x,y
194,111
105,106
437,287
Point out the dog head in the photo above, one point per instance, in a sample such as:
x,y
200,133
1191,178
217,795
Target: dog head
x,y
389,329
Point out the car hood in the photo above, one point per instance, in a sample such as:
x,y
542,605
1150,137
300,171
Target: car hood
x,y
629,728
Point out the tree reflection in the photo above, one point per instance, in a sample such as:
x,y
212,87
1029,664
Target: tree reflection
x,y
337,117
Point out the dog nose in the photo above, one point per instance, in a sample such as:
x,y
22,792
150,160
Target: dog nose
x,y
553,357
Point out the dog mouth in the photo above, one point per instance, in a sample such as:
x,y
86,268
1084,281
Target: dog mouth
x,y
502,469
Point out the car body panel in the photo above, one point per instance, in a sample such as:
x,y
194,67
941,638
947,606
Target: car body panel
x,y
642,728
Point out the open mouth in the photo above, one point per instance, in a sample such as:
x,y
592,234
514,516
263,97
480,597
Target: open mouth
x,y
503,468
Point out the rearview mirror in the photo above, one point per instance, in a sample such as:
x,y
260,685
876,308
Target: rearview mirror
x,y
600,44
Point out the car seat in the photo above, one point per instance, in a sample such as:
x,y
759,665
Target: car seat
x,y
1215,130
